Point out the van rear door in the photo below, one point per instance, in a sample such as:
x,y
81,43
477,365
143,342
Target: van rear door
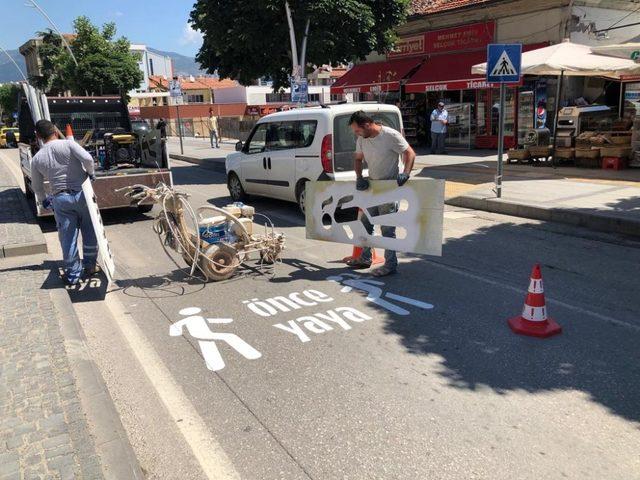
x,y
344,141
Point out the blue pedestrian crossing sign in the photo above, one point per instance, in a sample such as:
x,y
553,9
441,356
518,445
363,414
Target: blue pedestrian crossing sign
x,y
503,62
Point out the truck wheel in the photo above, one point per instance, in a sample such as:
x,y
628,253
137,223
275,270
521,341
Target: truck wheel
x,y
145,208
27,188
235,188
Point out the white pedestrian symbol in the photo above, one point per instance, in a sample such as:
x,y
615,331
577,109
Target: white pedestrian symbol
x,y
503,66
198,328
375,294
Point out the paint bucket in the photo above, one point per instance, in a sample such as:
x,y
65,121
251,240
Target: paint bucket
x,y
213,229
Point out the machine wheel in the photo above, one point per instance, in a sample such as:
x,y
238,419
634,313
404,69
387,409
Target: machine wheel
x,y
235,188
226,262
145,208
301,195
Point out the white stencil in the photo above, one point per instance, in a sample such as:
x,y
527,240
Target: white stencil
x,y
373,289
332,214
198,328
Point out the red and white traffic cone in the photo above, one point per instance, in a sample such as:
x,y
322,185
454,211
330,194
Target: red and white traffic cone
x,y
68,134
534,321
357,253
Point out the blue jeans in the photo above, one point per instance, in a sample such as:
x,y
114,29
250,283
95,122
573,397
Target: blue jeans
x,y
213,135
72,216
390,257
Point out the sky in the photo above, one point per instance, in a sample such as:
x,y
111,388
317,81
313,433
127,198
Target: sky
x,y
160,24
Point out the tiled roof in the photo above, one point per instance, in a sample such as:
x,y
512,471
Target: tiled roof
x,y
198,83
426,7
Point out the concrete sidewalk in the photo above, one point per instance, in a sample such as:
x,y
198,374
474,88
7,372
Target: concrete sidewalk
x,y
19,232
597,206
199,151
57,418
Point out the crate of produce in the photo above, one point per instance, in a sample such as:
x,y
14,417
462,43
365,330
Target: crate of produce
x,y
591,152
565,153
621,139
518,155
615,151
536,151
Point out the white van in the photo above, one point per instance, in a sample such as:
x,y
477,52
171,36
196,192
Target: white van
x,y
287,149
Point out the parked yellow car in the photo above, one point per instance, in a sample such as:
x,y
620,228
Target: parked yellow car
x,y
14,137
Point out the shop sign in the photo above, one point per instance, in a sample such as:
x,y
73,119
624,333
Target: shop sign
x,y
467,37
453,85
252,110
408,46
352,90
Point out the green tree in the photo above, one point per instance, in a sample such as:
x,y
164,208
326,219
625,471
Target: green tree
x,y
105,66
8,99
249,39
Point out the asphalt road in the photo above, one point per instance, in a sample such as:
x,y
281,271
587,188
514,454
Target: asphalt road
x,y
367,391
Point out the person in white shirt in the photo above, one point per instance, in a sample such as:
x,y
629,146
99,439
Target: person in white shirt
x,y
439,121
381,147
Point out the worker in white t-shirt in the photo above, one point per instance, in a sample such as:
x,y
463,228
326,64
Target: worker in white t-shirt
x,y
381,147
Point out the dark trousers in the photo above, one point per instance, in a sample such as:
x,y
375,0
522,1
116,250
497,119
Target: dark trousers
x,y
437,142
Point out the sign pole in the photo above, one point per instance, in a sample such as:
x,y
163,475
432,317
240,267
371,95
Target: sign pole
x,y
179,128
500,141
504,62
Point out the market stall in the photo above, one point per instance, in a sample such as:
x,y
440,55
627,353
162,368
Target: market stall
x,y
570,59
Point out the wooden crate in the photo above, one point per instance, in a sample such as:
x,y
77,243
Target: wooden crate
x,y
589,153
615,151
518,155
565,153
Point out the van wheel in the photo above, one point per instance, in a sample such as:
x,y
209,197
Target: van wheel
x,y
301,195
235,188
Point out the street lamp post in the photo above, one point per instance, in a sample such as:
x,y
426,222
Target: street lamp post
x,y
33,4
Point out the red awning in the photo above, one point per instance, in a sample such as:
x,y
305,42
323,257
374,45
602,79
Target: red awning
x,y
448,72
453,72
375,77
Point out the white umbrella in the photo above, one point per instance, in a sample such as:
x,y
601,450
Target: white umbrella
x,y
573,59
623,50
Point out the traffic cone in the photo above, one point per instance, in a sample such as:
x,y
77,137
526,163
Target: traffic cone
x,y
68,132
357,253
534,321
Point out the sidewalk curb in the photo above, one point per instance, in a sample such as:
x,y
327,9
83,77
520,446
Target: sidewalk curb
x,y
112,445
592,221
21,249
211,164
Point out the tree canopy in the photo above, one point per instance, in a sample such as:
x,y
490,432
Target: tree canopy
x,y
105,64
249,39
8,99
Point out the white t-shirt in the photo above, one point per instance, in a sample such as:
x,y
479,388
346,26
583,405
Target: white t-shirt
x,y
382,153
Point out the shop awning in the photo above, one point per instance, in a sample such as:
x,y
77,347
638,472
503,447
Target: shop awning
x,y
375,76
448,72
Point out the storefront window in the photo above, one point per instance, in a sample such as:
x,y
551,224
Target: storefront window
x,y
509,112
631,101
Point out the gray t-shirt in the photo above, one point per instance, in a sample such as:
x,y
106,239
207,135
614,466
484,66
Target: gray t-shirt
x,y
64,163
382,153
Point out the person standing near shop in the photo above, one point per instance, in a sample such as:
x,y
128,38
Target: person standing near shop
x,y
381,147
439,121
213,129
65,164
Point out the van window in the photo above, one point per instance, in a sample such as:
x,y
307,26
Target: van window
x,y
344,141
307,130
258,139
282,136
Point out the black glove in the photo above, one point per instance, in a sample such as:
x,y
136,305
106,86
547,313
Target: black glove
x,y
47,203
92,178
362,184
402,178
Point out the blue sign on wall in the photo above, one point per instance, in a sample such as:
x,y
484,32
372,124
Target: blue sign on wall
x,y
503,62
299,91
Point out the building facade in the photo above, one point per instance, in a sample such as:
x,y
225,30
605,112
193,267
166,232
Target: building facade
x,y
443,39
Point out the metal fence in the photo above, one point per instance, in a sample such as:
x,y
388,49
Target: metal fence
x,y
228,127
